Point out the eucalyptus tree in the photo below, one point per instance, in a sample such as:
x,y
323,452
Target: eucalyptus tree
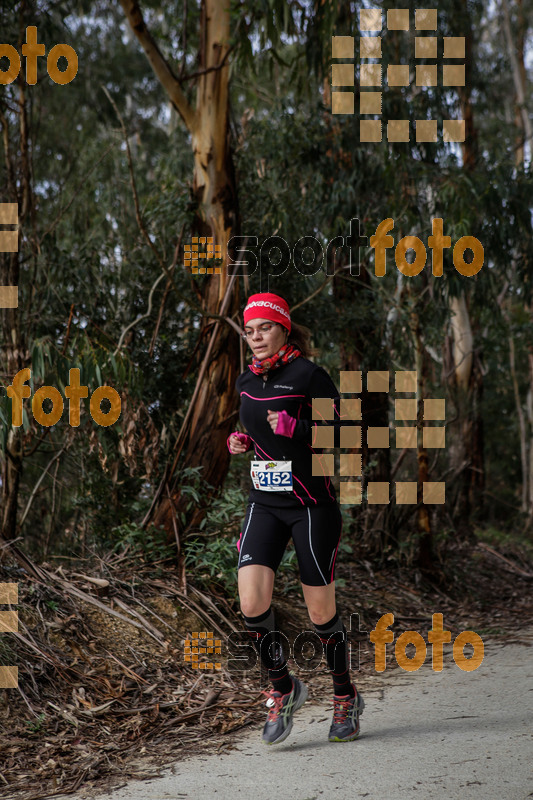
x,y
214,39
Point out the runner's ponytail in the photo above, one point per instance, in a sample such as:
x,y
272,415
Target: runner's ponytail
x,y
300,337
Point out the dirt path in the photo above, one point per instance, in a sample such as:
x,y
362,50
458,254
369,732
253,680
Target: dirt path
x,y
424,735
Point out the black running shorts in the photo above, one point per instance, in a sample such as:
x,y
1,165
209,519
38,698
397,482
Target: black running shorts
x,y
316,533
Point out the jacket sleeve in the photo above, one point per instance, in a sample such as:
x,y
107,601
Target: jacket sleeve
x,y
321,386
244,438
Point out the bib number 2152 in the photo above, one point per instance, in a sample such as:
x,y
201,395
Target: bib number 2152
x,y
272,476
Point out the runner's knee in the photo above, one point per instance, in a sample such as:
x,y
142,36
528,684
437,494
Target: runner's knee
x,y
255,590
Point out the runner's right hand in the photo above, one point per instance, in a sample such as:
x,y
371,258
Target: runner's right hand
x,y
235,445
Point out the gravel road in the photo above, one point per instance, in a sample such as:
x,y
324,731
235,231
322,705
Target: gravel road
x,y
452,734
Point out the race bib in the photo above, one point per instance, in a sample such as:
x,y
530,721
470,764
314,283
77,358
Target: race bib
x,y
272,476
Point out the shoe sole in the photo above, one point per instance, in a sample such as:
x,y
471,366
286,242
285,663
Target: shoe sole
x,y
301,700
357,733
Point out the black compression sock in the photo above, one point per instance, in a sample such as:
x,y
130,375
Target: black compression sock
x,y
262,630
333,636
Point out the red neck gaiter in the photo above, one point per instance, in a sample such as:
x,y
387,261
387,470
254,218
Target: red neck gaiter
x,y
285,354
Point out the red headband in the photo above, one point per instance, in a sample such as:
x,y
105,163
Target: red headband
x,y
268,306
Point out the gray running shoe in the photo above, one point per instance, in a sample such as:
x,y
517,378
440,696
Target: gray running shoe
x,y
346,711
282,707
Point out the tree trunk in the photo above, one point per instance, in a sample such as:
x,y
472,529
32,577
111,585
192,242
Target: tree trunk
x,y
525,135
470,144
529,407
13,348
425,538
516,57
466,449
214,402
466,381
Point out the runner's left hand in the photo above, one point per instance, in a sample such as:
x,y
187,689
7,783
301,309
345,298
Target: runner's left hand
x,y
272,419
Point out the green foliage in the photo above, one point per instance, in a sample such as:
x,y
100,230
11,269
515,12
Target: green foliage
x,y
225,512
38,725
212,558
150,543
212,563
87,269
516,540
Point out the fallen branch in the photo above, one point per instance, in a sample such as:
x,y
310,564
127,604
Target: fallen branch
x,y
89,599
512,567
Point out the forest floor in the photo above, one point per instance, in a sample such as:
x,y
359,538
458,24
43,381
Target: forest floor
x,y
106,694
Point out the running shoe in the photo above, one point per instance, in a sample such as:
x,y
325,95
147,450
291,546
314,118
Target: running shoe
x,y
346,711
281,710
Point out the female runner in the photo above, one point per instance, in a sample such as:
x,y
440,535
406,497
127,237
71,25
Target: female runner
x,y
287,500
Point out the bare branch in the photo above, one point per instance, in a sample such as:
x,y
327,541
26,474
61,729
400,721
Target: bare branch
x,y
159,64
38,483
207,69
141,316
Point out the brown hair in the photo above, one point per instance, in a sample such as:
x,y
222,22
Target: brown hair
x,y
300,337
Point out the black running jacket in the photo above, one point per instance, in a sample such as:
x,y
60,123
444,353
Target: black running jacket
x,y
291,387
